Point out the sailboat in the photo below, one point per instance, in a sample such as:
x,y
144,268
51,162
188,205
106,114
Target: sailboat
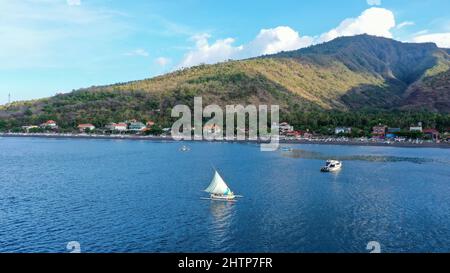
x,y
219,190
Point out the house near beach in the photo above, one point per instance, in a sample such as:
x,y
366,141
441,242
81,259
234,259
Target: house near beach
x,y
285,127
379,131
392,132
27,128
119,127
431,133
417,128
342,130
136,126
295,133
84,127
49,124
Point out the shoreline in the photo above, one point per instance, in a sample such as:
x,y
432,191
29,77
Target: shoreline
x,y
293,141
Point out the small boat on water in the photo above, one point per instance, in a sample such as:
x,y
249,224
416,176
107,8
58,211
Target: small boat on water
x,y
286,149
185,148
219,190
331,166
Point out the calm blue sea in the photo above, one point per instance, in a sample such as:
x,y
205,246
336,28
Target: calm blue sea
x,y
144,196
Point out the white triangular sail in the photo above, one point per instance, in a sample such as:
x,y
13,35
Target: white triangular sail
x,y
218,186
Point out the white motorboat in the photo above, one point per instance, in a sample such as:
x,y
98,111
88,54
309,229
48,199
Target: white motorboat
x,y
331,166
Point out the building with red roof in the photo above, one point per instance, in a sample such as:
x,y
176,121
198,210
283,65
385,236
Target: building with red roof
x,y
379,131
432,133
83,127
49,124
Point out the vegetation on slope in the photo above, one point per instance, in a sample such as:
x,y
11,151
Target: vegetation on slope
x,y
351,81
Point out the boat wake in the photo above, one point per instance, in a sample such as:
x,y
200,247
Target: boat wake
x,y
297,153
215,199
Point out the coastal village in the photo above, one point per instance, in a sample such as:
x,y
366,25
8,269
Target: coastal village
x,y
381,133
130,127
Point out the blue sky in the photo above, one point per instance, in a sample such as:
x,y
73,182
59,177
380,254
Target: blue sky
x,y
53,46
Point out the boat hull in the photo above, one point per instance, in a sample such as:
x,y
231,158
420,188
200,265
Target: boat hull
x,y
332,166
327,170
223,197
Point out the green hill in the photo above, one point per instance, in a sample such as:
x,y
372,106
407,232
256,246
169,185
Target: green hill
x,y
361,74
400,66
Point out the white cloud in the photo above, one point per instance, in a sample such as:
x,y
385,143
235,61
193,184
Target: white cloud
x,y
138,52
405,24
162,61
441,39
73,2
268,41
273,40
207,53
373,21
374,2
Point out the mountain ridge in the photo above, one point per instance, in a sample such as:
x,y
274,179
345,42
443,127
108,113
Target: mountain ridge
x,y
400,64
